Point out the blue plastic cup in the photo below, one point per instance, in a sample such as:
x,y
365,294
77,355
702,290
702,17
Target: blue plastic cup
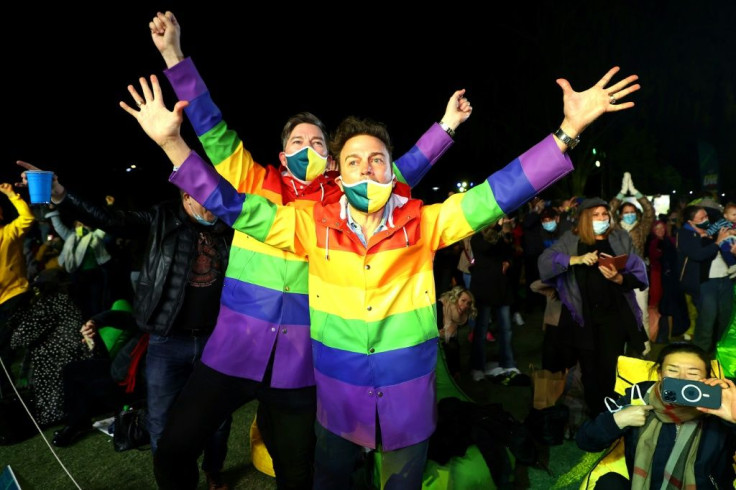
x,y
39,185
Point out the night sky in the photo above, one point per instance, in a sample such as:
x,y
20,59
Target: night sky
x,y
66,68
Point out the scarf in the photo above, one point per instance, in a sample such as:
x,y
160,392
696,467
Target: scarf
x,y
679,472
135,358
628,227
452,319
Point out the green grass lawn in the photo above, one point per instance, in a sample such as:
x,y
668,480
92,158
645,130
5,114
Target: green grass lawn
x,y
94,465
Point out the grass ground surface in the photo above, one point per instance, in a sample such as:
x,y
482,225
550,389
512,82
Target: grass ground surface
x,y
94,465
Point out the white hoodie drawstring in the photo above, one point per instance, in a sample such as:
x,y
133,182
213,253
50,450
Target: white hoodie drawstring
x,y
327,243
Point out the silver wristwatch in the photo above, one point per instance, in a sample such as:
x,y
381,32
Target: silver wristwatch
x,y
570,142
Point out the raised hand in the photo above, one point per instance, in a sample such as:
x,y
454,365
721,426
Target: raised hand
x,y
57,190
7,189
458,110
582,108
160,124
166,35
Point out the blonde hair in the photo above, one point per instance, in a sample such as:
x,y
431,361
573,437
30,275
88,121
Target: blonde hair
x,y
453,295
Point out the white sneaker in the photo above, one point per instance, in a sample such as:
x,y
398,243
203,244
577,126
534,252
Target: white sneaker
x,y
510,371
477,375
497,371
518,320
490,366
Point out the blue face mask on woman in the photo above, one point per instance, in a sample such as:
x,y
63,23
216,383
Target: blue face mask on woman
x,y
600,227
629,218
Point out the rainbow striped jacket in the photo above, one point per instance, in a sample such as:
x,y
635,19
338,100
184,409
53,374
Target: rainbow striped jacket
x,y
372,307
264,303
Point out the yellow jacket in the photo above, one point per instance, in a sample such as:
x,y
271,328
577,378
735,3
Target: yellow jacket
x,y
13,280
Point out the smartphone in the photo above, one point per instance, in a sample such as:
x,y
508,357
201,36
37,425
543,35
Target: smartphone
x,y
691,393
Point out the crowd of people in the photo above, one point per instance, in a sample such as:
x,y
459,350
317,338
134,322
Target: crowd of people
x,y
320,288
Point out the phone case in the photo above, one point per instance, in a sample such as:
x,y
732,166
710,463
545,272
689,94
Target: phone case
x,y
691,393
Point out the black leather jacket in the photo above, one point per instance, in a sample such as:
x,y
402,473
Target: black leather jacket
x,y
168,254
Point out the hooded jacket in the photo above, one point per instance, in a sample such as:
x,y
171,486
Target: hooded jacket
x,y
372,307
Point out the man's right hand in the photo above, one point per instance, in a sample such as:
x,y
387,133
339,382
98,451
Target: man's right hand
x,y
57,190
166,35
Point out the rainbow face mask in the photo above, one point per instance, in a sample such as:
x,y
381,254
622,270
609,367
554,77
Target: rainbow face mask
x,y
367,195
306,164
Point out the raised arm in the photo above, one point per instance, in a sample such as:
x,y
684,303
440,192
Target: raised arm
x,y
222,145
582,108
25,218
412,166
123,223
166,36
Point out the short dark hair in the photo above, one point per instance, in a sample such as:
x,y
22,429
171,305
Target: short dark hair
x,y
354,126
548,212
690,211
687,348
302,118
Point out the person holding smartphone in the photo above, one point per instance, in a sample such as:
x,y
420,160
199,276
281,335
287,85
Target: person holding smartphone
x,y
678,445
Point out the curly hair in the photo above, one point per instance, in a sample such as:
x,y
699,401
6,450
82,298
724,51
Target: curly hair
x,y
453,295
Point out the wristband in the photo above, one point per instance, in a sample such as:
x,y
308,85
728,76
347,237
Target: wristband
x,y
447,129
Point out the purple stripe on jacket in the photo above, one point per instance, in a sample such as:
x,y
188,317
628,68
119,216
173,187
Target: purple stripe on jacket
x,y
408,423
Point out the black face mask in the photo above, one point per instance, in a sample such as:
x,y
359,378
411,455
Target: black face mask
x,y
703,225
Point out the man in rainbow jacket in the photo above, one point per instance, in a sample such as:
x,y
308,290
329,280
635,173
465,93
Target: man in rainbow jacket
x,y
371,287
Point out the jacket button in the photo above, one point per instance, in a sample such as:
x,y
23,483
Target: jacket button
x,y
287,288
371,350
273,329
370,392
324,220
380,394
369,308
283,331
367,267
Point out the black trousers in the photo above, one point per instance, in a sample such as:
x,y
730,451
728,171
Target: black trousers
x,y
285,419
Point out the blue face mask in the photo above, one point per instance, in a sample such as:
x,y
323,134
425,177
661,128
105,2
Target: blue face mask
x,y
306,164
200,219
549,226
203,221
703,225
600,227
629,218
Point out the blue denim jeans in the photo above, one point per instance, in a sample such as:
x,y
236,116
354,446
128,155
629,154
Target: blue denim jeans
x,y
169,362
502,315
336,459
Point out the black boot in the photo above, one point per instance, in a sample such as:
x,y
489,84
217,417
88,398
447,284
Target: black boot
x,y
70,433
